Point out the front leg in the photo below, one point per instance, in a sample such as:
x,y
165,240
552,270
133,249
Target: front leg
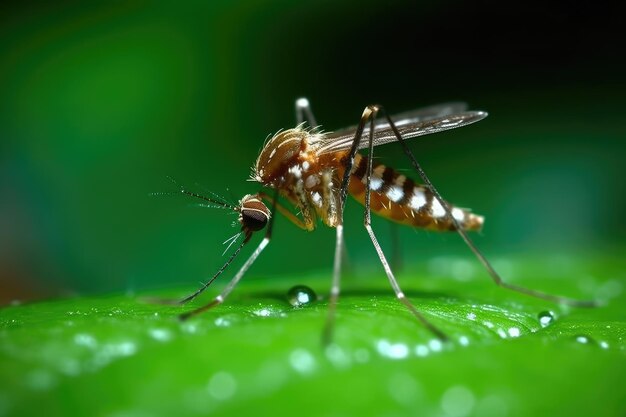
x,y
285,211
327,334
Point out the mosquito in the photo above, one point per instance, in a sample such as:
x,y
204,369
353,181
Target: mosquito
x,y
315,171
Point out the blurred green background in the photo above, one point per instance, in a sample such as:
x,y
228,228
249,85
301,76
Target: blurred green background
x,y
102,101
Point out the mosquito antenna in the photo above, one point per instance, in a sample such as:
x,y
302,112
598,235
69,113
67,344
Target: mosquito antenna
x,y
468,241
217,196
230,193
217,201
217,274
204,205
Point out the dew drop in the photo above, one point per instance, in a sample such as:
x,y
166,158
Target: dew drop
x,y
514,332
546,318
301,295
85,339
302,361
421,350
224,322
264,312
584,340
161,335
222,386
435,345
458,401
392,350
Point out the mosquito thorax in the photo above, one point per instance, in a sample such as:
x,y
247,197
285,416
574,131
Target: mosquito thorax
x,y
253,213
285,150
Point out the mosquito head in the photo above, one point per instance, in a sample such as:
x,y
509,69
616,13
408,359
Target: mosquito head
x,y
253,214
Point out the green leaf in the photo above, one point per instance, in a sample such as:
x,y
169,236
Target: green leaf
x,y
258,355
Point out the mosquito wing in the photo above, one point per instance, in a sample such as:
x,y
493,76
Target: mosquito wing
x,y
409,124
412,116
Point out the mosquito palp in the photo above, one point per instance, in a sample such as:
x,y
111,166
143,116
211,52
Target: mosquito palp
x,y
230,242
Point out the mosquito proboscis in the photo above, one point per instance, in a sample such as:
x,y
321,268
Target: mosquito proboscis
x,y
315,171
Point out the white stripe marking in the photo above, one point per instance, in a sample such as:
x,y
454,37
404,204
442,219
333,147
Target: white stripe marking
x,y
437,209
317,199
458,214
296,171
395,193
376,183
418,200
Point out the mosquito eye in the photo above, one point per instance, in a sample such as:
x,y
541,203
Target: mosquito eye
x,y
253,220
254,214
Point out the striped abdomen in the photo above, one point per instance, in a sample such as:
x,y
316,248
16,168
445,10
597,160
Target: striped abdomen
x,y
398,198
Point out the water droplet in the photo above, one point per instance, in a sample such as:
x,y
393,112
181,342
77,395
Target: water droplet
x,y
190,327
338,356
85,339
392,350
301,295
584,340
546,318
264,312
458,401
261,312
223,322
69,366
435,345
302,361
421,350
161,335
403,388
514,332
222,386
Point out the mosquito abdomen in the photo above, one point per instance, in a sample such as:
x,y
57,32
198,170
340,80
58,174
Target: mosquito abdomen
x,y
400,199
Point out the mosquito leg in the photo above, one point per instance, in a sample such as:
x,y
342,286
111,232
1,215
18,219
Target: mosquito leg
x,y
204,286
233,282
327,334
367,221
304,112
284,211
468,241
329,327
217,274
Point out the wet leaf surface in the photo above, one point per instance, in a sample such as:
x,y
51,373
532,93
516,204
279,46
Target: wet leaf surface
x,y
509,355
